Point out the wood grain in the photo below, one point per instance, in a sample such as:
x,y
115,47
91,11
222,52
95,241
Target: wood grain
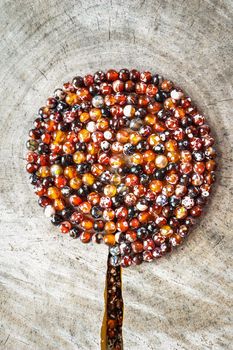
x,y
52,288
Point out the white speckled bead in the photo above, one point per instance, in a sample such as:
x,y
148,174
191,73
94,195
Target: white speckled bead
x,y
49,211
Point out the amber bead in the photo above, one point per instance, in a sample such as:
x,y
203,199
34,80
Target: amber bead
x,y
54,193
88,179
110,227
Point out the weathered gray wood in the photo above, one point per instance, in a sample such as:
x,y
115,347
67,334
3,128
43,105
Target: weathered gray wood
x,y
52,288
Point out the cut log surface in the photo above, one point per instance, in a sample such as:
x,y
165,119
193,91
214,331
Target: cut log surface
x,y
52,288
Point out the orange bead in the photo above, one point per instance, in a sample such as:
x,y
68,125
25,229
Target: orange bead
x,y
97,169
59,137
59,204
149,156
79,157
171,145
156,186
110,227
68,148
88,179
153,140
95,114
109,239
122,136
75,183
84,135
87,224
75,200
166,230
44,171
136,158
134,138
173,157
70,172
54,193
181,212
71,98
85,207
84,117
93,198
150,119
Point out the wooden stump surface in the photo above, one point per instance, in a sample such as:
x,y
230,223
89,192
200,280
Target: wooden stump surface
x,y
51,288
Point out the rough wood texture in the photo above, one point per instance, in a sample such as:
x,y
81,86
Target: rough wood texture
x,y
52,289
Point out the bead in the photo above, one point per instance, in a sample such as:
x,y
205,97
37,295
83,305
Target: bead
x,y
49,211
54,193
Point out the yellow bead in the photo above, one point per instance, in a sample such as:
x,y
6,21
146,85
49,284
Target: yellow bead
x,y
95,114
136,158
153,140
150,119
88,179
60,137
84,117
54,192
75,183
181,212
71,98
173,157
92,148
161,161
44,171
79,157
166,230
115,179
171,145
110,190
84,135
134,138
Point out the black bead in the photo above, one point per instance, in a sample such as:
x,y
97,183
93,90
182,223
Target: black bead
x,y
66,191
117,200
67,160
132,212
160,97
77,82
97,186
83,168
184,179
105,112
128,149
94,89
33,179
81,146
198,156
66,213
43,148
61,106
174,201
136,169
144,179
64,126
159,148
172,166
96,211
56,219
152,227
156,79
142,146
184,144
142,232
75,232
141,113
99,77
83,191
159,174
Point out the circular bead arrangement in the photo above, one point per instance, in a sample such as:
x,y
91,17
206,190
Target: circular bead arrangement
x,y
123,158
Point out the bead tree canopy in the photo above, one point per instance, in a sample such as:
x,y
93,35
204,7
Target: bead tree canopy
x,y
124,158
